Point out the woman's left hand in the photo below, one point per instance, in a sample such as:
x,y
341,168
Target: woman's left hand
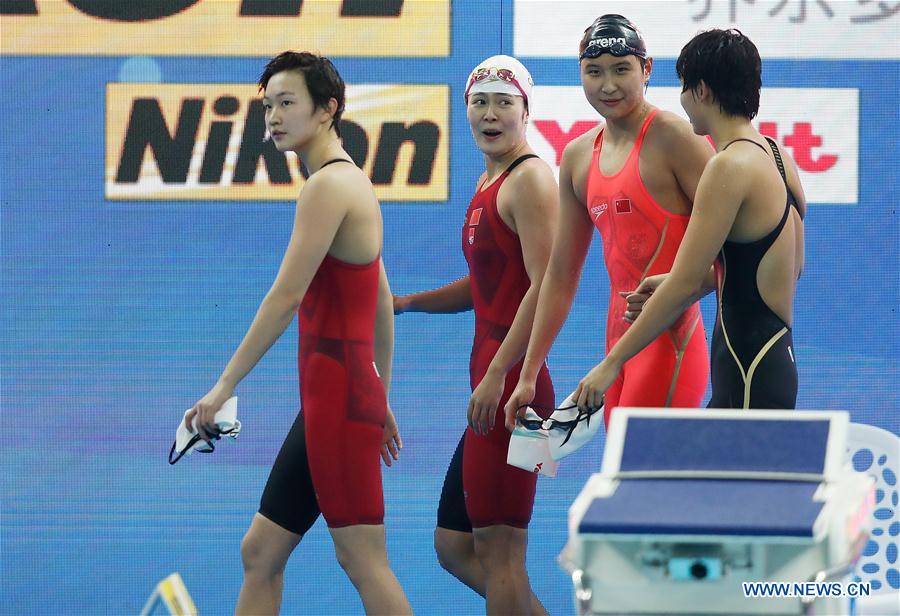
x,y
391,443
482,411
589,393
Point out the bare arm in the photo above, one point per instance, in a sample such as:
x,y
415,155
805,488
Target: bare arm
x,y
451,298
793,180
692,154
384,330
570,246
719,197
320,211
321,208
391,443
533,201
535,206
636,299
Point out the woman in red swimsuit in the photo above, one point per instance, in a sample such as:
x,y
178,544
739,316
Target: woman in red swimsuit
x,y
486,504
332,276
633,179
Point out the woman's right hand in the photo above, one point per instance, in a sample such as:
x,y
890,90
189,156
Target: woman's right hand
x,y
636,299
522,395
203,413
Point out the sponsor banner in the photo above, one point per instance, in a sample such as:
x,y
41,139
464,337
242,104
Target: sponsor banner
x,y
818,127
226,27
207,142
779,28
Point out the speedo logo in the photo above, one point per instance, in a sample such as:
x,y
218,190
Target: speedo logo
x,y
609,41
597,210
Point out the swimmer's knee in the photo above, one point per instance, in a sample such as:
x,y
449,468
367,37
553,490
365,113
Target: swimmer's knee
x,y
452,548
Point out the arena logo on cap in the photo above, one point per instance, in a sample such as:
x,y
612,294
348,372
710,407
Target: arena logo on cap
x,y
207,142
225,27
819,127
609,42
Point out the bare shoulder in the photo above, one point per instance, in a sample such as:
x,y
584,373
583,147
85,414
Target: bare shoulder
x,y
732,166
671,130
533,173
530,183
576,160
337,182
580,145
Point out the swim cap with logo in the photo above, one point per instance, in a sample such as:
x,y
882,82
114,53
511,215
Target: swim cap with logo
x,y
500,74
613,34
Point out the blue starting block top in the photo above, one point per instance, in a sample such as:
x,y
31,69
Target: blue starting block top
x,y
725,445
741,507
715,473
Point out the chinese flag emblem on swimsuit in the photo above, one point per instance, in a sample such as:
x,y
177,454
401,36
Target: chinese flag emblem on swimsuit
x,y
474,219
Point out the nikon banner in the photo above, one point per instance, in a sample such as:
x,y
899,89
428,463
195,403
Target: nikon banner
x,y
225,27
207,142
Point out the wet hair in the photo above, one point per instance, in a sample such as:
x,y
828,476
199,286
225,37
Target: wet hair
x,y
322,79
612,21
730,65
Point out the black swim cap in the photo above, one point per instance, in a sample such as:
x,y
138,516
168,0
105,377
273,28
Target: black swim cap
x,y
613,34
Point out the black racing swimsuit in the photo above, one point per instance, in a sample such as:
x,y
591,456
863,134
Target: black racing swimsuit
x,y
752,357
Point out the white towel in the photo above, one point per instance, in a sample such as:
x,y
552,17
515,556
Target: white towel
x,y
186,440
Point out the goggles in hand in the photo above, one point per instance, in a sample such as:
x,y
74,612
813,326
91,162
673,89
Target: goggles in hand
x,y
568,427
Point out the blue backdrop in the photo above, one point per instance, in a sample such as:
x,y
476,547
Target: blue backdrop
x,y
118,315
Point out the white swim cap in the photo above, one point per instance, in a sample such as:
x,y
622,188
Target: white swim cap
x,y
530,449
581,428
564,432
502,75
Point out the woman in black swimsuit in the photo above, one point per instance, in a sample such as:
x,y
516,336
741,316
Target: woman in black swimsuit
x,y
747,224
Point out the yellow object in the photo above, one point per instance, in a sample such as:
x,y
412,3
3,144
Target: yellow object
x,y
173,594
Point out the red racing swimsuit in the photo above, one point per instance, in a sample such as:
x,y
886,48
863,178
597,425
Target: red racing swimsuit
x,y
640,239
495,492
342,397
329,462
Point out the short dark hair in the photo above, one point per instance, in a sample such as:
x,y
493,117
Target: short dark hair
x,y
322,79
729,63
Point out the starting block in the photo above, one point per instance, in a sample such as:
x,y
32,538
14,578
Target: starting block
x,y
690,506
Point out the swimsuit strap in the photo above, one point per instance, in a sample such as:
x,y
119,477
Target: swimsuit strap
x,y
336,160
519,161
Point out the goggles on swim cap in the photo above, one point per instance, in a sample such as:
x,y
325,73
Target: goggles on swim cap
x,y
615,35
500,74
